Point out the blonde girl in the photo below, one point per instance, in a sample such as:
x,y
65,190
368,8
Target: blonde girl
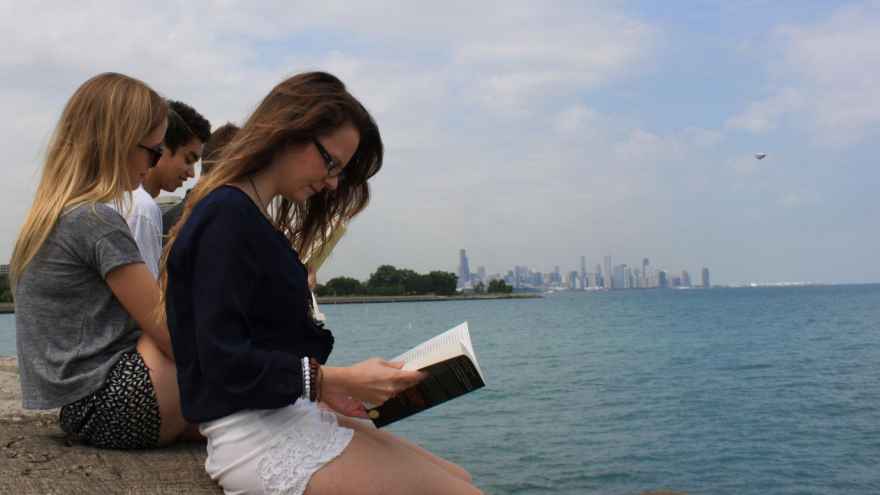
x,y
88,341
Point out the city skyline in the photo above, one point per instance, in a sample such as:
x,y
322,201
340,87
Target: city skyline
x,y
615,276
547,133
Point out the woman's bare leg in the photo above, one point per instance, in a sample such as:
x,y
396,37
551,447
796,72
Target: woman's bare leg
x,y
384,436
163,374
371,466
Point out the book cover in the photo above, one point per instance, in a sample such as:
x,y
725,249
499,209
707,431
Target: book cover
x,y
452,369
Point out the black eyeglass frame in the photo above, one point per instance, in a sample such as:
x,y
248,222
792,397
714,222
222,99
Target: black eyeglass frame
x,y
334,168
155,153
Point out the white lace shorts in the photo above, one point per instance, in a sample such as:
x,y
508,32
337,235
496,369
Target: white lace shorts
x,y
273,451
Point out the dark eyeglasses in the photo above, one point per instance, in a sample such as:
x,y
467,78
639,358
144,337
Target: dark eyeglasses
x,y
155,153
334,168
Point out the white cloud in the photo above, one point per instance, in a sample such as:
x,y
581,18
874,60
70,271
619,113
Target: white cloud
x,y
764,116
505,127
449,83
744,165
798,198
576,119
826,78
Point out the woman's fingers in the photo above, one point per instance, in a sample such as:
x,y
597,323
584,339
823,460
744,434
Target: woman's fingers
x,y
406,376
384,379
407,379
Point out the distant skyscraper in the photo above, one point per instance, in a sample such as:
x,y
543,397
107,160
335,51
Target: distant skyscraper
x,y
4,270
583,272
706,283
685,278
606,274
662,279
645,263
618,280
573,277
464,269
481,272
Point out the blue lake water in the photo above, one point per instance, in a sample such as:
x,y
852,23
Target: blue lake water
x,y
722,391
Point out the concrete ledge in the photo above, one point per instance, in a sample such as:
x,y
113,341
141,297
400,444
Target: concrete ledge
x,y
36,458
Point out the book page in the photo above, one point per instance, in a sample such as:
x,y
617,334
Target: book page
x,y
451,343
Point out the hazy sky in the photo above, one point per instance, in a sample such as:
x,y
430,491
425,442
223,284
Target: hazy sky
x,y
530,133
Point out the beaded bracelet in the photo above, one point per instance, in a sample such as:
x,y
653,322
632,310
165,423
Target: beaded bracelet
x,y
312,378
306,379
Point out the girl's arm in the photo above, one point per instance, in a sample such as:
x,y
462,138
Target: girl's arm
x,y
136,289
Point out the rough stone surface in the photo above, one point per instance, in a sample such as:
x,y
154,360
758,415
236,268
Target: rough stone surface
x,y
35,456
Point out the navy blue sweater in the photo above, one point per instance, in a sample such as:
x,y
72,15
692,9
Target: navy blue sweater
x,y
238,310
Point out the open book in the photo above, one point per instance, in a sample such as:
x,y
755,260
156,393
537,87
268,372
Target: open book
x,y
452,369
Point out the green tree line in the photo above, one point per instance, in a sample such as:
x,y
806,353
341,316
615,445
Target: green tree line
x,y
5,292
388,280
385,281
495,287
500,287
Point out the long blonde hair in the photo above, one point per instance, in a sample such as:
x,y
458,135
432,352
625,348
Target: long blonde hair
x,y
295,111
87,159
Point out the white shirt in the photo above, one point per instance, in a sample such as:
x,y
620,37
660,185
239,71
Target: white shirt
x,y
145,221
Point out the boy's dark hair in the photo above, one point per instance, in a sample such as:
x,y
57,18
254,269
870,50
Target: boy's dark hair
x,y
184,124
219,138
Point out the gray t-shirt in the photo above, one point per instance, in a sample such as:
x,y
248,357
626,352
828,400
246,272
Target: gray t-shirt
x,y
70,328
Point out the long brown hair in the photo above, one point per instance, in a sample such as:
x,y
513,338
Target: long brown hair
x,y
295,111
87,156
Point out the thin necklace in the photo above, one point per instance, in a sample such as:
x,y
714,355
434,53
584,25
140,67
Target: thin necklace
x,y
262,208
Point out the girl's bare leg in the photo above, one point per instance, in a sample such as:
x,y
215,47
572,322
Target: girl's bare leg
x,y
163,374
372,466
384,436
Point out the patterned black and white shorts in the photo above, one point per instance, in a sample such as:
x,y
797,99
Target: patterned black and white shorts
x,y
122,414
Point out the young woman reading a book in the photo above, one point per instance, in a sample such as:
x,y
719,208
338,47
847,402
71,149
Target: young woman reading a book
x,y
250,356
81,284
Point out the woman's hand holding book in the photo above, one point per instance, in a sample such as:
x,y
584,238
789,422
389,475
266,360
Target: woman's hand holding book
x,y
374,380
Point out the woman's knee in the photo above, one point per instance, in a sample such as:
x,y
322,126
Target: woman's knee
x,y
397,442
369,465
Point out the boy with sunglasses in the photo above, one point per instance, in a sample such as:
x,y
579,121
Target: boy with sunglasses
x,y
211,151
170,165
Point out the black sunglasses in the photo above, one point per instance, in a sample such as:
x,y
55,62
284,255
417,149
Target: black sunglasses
x,y
334,168
155,153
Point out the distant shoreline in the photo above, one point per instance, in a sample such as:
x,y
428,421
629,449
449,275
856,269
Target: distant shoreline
x,y
422,298
9,308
